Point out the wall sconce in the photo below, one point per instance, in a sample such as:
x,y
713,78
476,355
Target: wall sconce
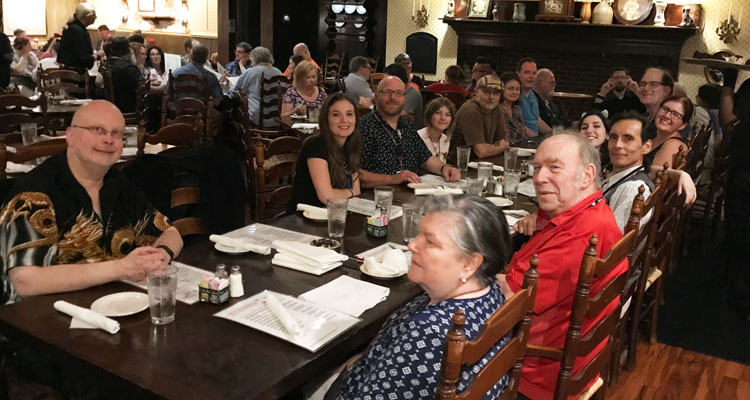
x,y
124,12
183,15
419,16
729,29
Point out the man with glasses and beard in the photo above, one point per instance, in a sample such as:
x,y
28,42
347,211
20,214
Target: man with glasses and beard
x,y
619,94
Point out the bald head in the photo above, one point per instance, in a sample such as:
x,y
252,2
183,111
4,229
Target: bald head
x,y
302,50
94,140
390,98
98,110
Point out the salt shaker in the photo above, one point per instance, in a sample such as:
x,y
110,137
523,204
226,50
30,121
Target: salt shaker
x,y
235,282
221,271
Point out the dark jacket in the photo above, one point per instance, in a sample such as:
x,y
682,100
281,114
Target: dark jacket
x,y
76,51
6,58
125,77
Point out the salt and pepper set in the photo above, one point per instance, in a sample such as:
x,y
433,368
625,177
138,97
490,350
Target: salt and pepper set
x,y
217,288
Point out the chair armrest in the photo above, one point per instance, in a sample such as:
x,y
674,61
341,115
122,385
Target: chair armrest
x,y
533,350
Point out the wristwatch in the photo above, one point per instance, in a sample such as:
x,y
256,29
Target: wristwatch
x,y
169,251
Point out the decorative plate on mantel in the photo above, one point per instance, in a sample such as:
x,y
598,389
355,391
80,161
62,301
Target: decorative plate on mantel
x,y
632,12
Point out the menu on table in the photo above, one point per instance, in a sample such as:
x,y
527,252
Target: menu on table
x,y
188,278
317,324
367,207
264,235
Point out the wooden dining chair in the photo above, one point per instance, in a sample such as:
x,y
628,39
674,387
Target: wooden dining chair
x,y
272,170
626,339
181,135
187,85
271,92
698,145
585,307
22,154
52,79
375,79
188,197
717,188
189,109
142,90
512,319
455,97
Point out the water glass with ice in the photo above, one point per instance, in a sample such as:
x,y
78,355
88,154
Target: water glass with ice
x,y
337,217
511,159
28,133
512,178
383,199
474,186
462,158
484,171
410,219
162,295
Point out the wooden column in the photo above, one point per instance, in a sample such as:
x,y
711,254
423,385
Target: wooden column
x,y
223,34
266,23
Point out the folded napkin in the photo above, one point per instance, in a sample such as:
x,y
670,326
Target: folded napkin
x,y
75,102
526,188
394,263
474,164
348,295
437,191
240,244
300,264
13,168
312,254
90,317
314,212
516,213
289,323
304,125
511,221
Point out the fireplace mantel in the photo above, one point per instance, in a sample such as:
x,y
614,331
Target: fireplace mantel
x,y
574,37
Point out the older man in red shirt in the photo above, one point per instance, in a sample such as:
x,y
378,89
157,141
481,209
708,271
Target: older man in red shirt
x,y
571,209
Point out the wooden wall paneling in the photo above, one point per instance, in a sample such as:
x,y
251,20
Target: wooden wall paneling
x,y
266,24
170,43
223,32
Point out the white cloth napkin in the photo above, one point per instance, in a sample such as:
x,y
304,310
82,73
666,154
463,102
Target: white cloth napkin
x,y
300,264
13,168
348,295
526,188
289,323
304,125
90,317
315,212
516,213
474,164
240,244
312,254
437,191
394,262
75,102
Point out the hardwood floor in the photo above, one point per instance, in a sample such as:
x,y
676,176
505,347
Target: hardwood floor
x,y
672,373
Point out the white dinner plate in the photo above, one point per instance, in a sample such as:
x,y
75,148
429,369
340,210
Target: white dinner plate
x,y
422,185
500,201
120,304
314,216
379,276
229,249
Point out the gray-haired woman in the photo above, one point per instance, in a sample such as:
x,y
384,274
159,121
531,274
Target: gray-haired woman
x,y
463,242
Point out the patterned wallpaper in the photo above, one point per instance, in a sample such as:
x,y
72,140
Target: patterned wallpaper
x,y
400,25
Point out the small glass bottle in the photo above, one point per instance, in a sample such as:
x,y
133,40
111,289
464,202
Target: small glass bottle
x,y
221,272
235,282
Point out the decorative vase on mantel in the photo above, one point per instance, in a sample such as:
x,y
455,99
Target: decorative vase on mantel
x,y
602,13
496,11
462,8
519,12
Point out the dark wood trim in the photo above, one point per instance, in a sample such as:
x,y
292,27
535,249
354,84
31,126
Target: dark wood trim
x,y
266,23
223,34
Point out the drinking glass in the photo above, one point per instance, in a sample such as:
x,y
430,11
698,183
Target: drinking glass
x,y
410,220
162,295
130,137
383,199
512,178
63,92
337,217
511,159
28,133
312,114
484,171
474,186
462,158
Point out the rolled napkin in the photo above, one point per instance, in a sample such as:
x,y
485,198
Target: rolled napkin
x,y
437,191
313,254
304,125
290,324
315,212
240,244
516,213
474,164
88,316
75,102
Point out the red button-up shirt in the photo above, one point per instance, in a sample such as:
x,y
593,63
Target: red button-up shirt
x,y
559,243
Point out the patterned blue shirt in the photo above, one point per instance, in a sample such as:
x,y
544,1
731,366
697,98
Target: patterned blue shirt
x,y
530,108
404,359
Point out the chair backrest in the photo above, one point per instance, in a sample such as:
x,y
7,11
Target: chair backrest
x,y
109,88
698,149
180,134
187,85
30,152
333,64
16,103
375,79
52,79
456,98
11,122
514,319
271,91
666,217
586,307
678,158
275,160
188,196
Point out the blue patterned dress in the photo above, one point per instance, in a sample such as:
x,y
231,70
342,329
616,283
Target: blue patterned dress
x,y
404,359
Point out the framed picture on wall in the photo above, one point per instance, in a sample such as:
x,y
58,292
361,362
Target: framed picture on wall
x,y
146,6
479,8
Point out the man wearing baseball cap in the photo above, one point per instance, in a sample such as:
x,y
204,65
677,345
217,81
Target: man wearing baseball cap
x,y
479,123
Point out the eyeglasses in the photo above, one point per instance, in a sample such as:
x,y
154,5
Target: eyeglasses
x,y
672,113
651,85
394,93
116,134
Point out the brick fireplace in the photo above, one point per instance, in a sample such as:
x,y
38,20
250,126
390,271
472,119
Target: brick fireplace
x,y
580,55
